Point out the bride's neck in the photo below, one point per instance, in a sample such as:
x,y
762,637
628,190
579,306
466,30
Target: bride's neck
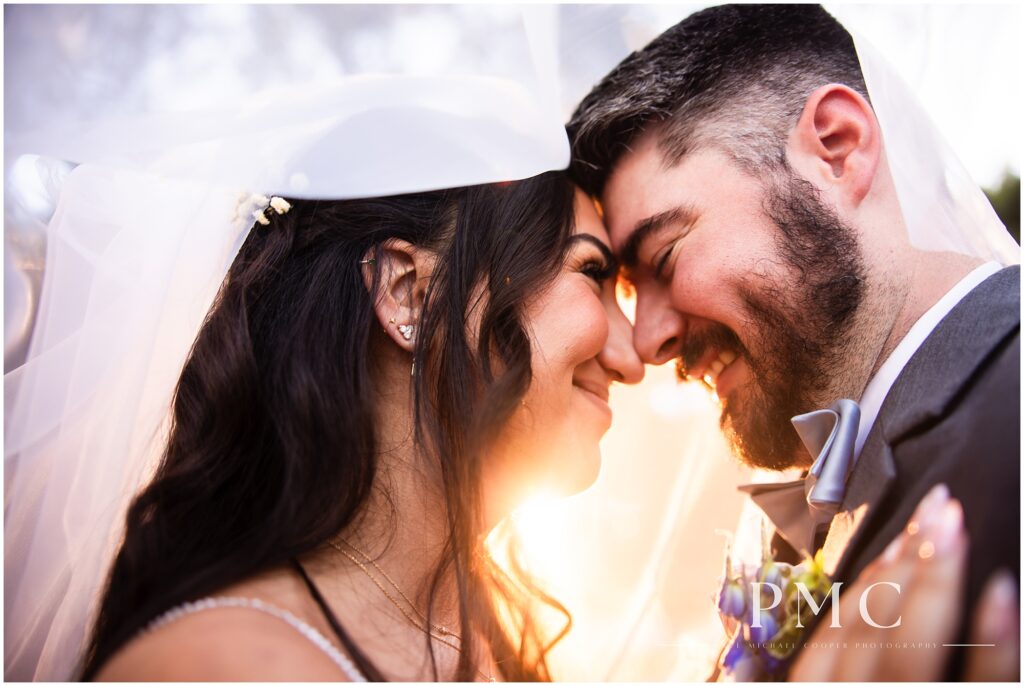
x,y
403,527
403,530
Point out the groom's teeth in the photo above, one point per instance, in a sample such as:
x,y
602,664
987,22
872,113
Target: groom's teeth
x,y
717,365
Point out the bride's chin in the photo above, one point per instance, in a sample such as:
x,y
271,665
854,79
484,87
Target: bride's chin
x,y
588,476
591,412
579,469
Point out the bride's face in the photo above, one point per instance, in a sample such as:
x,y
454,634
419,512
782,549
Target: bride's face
x,y
581,343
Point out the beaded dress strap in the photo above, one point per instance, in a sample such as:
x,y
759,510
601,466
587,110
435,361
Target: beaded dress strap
x,y
314,636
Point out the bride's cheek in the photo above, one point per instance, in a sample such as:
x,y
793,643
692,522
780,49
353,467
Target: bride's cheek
x,y
593,325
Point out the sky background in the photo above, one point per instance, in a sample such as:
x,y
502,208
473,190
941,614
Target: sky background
x,y
74,63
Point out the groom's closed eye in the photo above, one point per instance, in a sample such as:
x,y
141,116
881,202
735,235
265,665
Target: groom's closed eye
x,y
680,218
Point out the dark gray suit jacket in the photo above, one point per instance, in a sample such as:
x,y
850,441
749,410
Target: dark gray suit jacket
x,y
953,417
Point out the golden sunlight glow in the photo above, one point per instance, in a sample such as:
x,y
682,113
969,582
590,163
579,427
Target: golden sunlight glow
x,y
626,297
635,559
537,524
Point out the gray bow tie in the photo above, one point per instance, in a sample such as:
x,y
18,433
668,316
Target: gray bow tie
x,y
802,509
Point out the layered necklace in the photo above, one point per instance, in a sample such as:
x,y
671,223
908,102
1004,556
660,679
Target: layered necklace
x,y
436,631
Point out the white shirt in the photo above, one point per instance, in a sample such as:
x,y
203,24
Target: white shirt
x,y
876,390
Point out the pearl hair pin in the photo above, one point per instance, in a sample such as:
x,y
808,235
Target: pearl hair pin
x,y
253,207
279,205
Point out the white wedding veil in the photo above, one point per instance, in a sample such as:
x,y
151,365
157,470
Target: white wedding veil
x,y
943,208
143,225
145,228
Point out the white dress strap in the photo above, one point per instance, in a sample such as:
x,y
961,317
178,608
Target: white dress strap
x,y
319,640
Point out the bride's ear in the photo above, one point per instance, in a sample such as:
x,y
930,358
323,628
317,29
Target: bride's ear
x,y
837,142
404,273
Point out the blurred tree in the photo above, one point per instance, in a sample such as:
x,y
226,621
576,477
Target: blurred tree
x,y
1006,201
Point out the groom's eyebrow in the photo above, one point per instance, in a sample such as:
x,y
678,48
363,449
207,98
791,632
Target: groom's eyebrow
x,y
645,228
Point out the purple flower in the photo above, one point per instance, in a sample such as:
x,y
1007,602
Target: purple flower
x,y
770,573
757,653
763,633
740,662
736,652
731,600
769,662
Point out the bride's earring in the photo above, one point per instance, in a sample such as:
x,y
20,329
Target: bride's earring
x,y
406,330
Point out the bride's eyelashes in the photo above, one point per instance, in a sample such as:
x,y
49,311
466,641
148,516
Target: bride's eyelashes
x,y
598,269
593,259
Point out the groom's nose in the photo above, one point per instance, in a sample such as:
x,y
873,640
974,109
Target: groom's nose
x,y
659,329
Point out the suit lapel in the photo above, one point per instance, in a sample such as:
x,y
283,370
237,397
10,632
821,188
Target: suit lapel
x,y
951,356
870,481
924,392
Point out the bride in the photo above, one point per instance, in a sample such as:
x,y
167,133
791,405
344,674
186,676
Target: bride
x,y
378,383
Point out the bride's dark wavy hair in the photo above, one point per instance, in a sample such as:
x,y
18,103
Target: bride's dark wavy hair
x,y
272,450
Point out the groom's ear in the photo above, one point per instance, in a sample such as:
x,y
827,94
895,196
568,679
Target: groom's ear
x,y
837,142
402,274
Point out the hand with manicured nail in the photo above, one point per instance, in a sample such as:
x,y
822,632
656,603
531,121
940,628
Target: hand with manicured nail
x,y
894,620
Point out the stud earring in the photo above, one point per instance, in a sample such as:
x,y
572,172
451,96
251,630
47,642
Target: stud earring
x,y
406,331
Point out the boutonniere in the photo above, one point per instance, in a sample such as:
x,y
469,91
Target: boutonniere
x,y
765,610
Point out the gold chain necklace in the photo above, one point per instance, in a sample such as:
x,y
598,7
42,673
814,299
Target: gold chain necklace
x,y
442,632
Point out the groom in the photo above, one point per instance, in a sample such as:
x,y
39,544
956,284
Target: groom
x,y
746,190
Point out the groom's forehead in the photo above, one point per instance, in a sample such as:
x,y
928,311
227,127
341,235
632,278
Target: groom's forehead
x,y
644,195
632,191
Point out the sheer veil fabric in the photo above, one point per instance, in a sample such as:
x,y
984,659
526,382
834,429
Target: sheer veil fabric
x,y
943,208
145,229
147,225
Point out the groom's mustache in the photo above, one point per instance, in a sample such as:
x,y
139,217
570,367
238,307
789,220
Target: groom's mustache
x,y
716,337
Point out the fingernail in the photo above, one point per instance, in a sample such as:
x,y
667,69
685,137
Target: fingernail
x,y
1001,602
893,550
928,508
936,498
943,531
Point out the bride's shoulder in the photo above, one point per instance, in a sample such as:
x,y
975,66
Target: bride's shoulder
x,y
225,638
221,643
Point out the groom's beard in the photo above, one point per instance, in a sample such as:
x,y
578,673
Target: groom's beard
x,y
797,332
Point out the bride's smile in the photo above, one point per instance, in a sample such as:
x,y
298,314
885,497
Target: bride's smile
x,y
582,343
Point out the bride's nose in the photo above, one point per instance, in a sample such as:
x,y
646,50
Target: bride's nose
x,y
618,357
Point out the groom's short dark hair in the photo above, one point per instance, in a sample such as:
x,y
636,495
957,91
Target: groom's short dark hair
x,y
734,76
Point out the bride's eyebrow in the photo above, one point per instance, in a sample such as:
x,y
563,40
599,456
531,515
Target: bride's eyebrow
x,y
599,244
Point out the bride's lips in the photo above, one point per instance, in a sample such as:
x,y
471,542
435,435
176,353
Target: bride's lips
x,y
596,392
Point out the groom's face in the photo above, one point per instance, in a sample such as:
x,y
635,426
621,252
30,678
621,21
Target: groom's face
x,y
754,311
